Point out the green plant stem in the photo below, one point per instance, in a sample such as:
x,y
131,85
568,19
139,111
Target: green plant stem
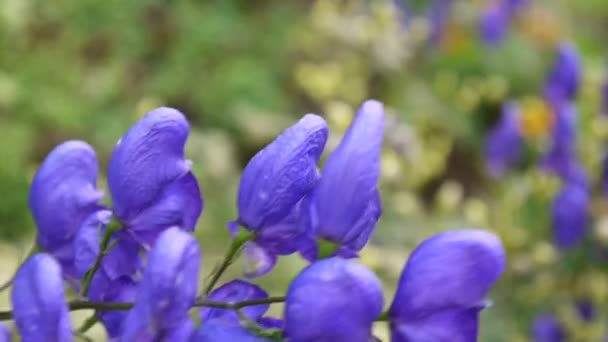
x,y
35,249
235,247
105,248
326,248
88,324
77,305
383,317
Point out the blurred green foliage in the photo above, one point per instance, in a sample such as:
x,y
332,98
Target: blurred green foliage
x,y
242,71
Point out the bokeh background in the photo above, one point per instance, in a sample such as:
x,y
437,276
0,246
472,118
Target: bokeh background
x,y
242,71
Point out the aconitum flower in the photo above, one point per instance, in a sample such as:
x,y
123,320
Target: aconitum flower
x,y
546,328
39,307
273,183
221,331
444,285
570,215
332,300
345,205
564,77
438,15
5,334
63,198
167,290
150,181
560,158
494,23
235,291
504,143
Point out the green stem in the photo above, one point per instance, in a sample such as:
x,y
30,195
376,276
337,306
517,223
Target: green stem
x,y
326,248
383,317
88,324
235,247
77,305
104,250
35,249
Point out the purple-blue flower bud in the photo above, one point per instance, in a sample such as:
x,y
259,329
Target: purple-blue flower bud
x,y
564,77
235,291
168,288
444,285
494,23
546,328
570,215
150,180
39,307
345,205
5,334
504,143
332,300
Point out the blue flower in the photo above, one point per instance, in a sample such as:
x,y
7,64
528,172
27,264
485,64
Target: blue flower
x,y
63,198
332,300
39,307
560,158
546,328
604,97
438,15
273,184
222,331
167,290
494,23
235,291
150,181
570,215
564,77
5,334
345,205
443,287
504,143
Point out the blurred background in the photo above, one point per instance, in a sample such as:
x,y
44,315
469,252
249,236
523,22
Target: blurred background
x,y
242,71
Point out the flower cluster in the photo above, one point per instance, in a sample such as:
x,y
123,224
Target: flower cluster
x,y
137,264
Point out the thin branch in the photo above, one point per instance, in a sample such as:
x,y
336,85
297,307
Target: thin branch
x,y
77,305
235,247
9,282
106,247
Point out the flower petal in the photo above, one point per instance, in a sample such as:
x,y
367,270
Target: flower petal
x,y
564,78
257,260
148,158
570,215
168,288
332,300
348,183
39,307
180,204
235,291
104,289
5,334
221,331
446,279
495,22
87,240
64,193
504,143
124,259
547,329
440,326
278,176
560,157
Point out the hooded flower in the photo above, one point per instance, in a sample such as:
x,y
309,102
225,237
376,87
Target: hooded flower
x,y
570,215
345,205
150,181
167,290
504,143
222,331
564,77
560,158
547,329
39,307
494,22
5,334
273,184
444,285
332,300
63,198
235,291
